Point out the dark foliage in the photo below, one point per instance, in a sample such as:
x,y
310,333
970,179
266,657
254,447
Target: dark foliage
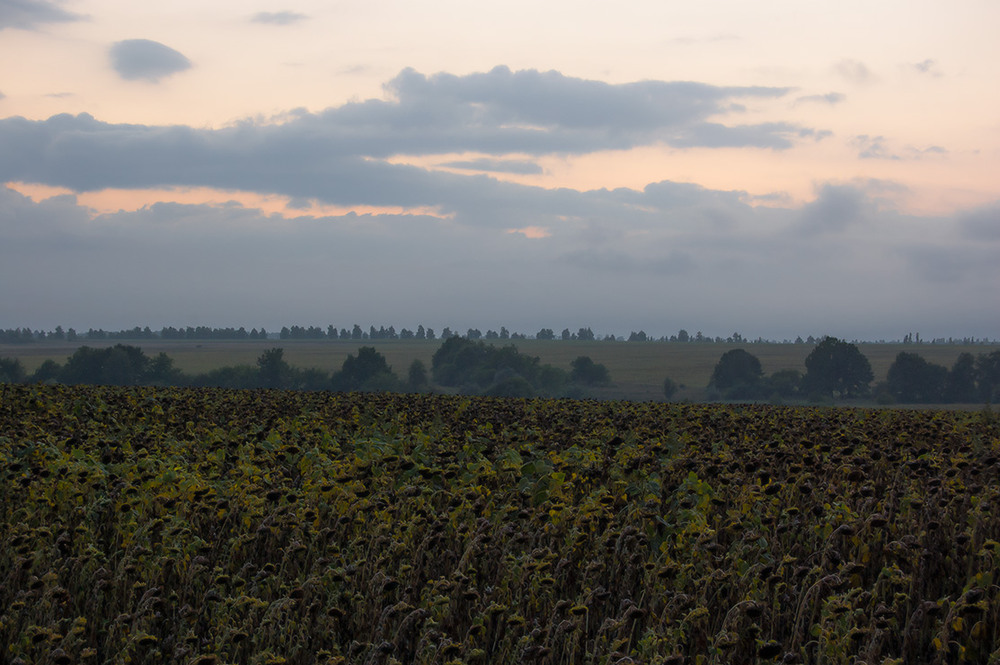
x,y
737,375
912,379
836,368
588,373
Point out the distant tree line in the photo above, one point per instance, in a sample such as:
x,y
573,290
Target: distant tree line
x,y
470,367
356,332
838,369
912,379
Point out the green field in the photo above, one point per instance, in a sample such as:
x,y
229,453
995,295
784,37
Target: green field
x,y
637,368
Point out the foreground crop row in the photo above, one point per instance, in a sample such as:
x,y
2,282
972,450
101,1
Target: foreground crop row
x,y
210,526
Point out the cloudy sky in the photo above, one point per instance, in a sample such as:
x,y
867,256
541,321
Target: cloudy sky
x,y
778,169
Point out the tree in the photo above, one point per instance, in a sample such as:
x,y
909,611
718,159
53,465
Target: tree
x,y
474,366
566,335
838,369
120,365
683,336
417,376
988,376
785,382
272,369
962,380
588,373
545,333
162,371
737,374
48,372
669,388
11,371
368,371
461,361
911,379
638,336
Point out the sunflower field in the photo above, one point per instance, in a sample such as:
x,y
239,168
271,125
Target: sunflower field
x,y
161,525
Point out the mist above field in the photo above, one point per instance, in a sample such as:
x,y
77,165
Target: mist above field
x,y
669,257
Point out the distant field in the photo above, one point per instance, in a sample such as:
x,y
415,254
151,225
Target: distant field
x,y
637,368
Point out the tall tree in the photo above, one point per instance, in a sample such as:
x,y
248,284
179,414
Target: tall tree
x,y
911,379
837,368
367,371
962,379
737,374
272,369
988,376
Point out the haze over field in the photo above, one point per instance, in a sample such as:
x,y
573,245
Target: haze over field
x,y
779,169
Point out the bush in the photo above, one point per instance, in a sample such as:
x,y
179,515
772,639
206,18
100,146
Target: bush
x,y
368,371
588,373
11,371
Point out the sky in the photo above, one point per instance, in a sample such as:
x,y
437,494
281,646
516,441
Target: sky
x,y
775,169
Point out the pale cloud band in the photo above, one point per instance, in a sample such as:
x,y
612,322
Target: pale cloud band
x,y
338,155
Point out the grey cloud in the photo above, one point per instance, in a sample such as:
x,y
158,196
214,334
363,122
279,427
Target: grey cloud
x,y
774,135
873,147
497,166
545,100
830,98
30,14
948,265
278,18
145,59
930,150
981,224
337,156
835,208
876,147
928,67
854,71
